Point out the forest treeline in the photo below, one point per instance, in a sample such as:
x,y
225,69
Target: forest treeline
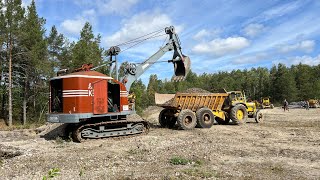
x,y
30,55
295,83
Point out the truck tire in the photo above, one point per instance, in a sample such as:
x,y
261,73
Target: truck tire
x,y
259,117
166,118
271,106
239,114
186,120
205,118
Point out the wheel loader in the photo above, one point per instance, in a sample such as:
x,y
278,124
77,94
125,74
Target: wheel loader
x,y
190,110
265,103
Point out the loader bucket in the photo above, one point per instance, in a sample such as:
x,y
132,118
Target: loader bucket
x,y
181,69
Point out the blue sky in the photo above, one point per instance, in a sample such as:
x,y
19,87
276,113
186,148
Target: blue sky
x,y
217,35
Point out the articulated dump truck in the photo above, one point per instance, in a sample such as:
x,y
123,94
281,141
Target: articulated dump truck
x,y
190,110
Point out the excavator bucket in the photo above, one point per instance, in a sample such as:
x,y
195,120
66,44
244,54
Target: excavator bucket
x,y
181,69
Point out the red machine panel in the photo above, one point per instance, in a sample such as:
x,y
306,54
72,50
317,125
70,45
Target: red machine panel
x,y
100,98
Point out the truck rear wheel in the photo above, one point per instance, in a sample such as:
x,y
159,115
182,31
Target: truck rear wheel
x,y
186,119
166,118
239,114
205,118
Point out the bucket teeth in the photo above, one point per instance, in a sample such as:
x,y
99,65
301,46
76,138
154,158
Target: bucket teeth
x,y
178,78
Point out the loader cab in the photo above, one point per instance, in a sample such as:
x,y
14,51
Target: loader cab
x,y
236,97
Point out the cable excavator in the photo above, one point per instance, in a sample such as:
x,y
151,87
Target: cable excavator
x,y
96,105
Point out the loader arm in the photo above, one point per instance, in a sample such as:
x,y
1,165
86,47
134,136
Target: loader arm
x,y
180,61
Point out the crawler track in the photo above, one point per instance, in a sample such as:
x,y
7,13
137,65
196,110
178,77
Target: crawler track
x,y
114,129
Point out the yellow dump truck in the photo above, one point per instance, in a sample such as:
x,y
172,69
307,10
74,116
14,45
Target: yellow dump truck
x,y
189,110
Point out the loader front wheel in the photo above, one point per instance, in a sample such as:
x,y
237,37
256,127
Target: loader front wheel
x,y
186,120
167,119
259,117
205,118
239,114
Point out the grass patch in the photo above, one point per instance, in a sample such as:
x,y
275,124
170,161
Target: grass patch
x,y
179,161
18,126
176,160
52,173
137,151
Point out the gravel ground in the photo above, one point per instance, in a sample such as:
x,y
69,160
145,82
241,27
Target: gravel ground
x,y
285,146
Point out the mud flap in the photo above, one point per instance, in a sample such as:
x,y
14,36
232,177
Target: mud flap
x,y
181,69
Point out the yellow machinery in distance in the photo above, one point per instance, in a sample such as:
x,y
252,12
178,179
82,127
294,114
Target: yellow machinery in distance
x,y
314,103
265,103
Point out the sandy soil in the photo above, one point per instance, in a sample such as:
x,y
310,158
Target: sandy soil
x,y
285,146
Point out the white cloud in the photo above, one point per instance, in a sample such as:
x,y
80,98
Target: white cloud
x,y
304,46
206,34
115,6
220,47
139,25
74,26
282,10
312,61
252,30
251,59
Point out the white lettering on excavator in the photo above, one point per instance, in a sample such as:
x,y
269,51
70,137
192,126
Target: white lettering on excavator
x,y
90,90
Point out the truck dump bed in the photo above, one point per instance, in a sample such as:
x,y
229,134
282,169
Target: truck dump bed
x,y
192,101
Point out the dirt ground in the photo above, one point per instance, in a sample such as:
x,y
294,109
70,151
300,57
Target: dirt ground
x,y
285,146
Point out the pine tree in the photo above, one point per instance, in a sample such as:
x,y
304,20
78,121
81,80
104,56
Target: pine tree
x,y
35,62
13,17
140,91
304,81
87,49
153,87
2,60
284,86
56,44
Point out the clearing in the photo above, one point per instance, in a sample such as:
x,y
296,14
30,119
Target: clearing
x,y
285,146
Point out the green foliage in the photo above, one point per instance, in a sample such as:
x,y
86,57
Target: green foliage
x,y
81,172
179,161
87,49
52,173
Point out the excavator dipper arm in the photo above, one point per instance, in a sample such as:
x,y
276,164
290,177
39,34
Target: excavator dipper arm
x,y
181,62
